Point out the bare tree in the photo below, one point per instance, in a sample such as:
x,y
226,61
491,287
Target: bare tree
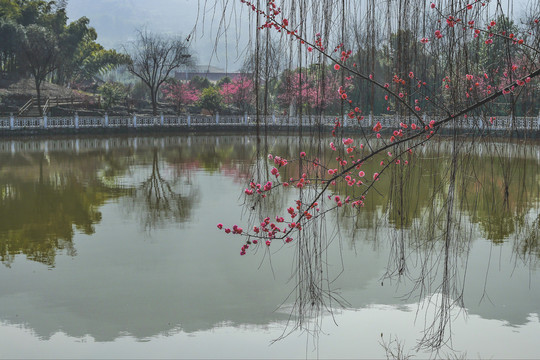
x,y
154,57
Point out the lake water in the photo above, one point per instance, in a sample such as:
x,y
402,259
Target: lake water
x,y
109,249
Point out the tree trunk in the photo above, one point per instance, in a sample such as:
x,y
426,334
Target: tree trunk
x,y
38,91
154,102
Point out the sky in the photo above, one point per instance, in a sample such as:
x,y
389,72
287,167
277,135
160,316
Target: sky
x,y
116,22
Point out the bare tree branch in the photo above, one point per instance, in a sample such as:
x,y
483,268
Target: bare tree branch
x,y
154,57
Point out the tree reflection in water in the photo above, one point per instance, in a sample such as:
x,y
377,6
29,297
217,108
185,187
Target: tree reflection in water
x,y
455,192
41,201
159,201
45,197
459,190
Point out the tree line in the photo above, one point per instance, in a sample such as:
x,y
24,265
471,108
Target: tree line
x,y
416,65
37,40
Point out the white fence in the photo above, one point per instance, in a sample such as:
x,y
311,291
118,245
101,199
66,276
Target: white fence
x,y
187,121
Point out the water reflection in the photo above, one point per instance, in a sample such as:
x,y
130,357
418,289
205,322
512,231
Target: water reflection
x,y
80,211
159,201
42,200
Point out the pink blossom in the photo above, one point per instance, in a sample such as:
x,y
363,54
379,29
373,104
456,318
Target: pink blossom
x,y
238,92
181,94
317,93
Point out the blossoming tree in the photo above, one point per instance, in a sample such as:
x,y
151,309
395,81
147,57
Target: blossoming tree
x,y
314,91
239,93
180,94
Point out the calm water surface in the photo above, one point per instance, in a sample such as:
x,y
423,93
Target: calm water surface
x,y
109,249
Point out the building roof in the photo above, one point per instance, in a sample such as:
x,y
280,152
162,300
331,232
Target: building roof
x,y
212,73
204,69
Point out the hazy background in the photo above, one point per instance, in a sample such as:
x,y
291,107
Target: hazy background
x,y
116,22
